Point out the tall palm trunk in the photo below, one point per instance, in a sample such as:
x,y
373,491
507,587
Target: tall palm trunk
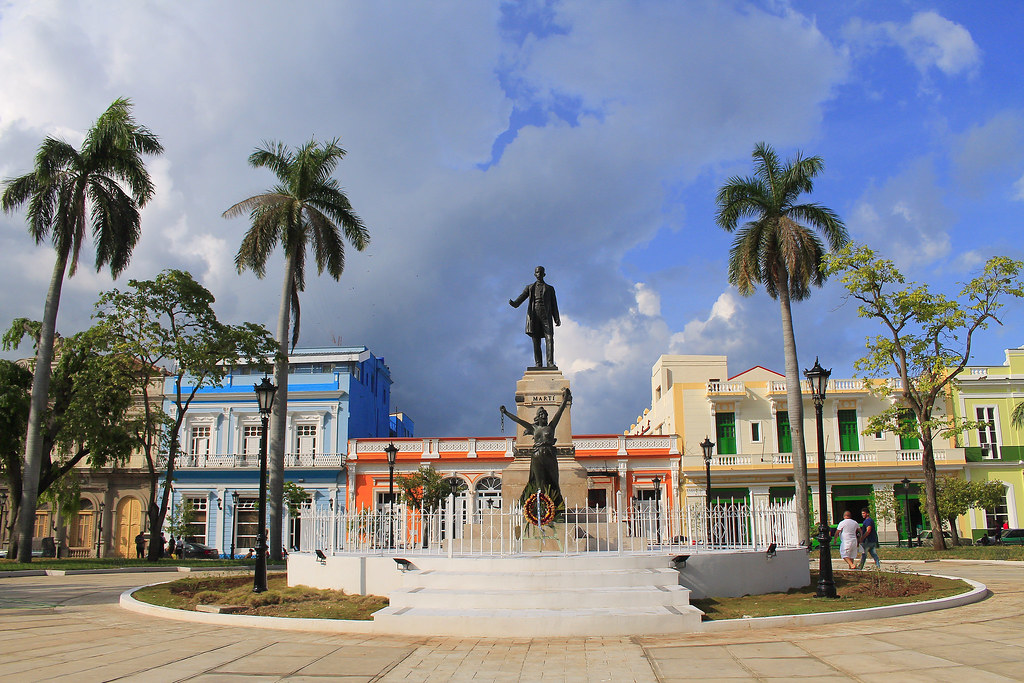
x,y
279,415
795,408
37,408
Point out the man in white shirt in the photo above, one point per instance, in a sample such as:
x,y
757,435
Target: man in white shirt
x,y
848,532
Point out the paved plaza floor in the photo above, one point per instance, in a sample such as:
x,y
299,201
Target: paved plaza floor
x,y
72,629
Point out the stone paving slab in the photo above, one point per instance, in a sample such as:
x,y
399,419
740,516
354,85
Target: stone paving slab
x,y
81,635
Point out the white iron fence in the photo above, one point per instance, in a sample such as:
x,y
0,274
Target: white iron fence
x,y
451,530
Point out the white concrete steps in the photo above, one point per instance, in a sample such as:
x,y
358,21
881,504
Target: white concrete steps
x,y
619,597
544,579
541,596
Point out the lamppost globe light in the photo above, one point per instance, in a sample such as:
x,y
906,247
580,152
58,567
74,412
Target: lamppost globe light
x,y
265,392
707,445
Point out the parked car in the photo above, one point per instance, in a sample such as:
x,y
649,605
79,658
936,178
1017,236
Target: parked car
x,y
198,550
925,538
1012,537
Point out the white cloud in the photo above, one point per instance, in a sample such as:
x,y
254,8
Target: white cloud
x,y
1018,189
986,154
722,331
906,217
928,41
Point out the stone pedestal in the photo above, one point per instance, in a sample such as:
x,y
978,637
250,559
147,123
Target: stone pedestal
x,y
542,388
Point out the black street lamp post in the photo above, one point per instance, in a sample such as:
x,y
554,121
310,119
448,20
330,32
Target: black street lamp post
x,y
265,398
707,445
234,521
817,380
657,506
99,531
392,451
906,509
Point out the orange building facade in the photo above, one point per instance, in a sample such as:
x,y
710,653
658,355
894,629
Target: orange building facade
x,y
646,468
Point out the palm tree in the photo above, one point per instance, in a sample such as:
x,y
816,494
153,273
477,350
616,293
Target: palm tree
x,y
69,192
1017,416
306,206
778,250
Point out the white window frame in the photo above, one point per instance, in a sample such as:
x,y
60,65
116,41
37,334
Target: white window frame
x,y
759,437
993,430
194,439
243,438
316,434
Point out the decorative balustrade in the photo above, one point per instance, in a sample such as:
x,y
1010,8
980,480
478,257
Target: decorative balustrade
x,y
854,456
252,460
727,388
730,460
504,447
916,455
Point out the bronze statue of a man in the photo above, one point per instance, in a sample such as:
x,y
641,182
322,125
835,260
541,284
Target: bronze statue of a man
x,y
544,461
541,315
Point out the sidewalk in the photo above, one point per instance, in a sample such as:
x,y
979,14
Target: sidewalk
x,y
54,628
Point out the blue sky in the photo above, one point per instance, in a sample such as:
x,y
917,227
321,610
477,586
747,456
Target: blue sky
x,y
485,138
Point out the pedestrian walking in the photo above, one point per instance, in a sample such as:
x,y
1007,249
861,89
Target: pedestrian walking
x,y
869,539
848,532
140,546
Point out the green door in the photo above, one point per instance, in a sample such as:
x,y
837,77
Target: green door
x,y
726,430
848,437
785,435
909,443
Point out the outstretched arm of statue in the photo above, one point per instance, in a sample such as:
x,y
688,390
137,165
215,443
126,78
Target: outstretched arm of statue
x,y
526,425
566,400
515,303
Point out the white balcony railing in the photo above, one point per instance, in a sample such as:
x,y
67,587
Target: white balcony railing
x,y
727,388
855,456
730,460
916,455
252,460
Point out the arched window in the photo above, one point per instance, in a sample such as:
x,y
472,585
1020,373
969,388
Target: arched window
x,y
488,494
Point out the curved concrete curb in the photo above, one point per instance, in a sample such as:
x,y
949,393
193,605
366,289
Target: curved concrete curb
x,y
977,593
246,620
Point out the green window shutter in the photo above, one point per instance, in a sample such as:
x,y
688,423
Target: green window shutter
x,y
848,437
725,424
785,435
909,443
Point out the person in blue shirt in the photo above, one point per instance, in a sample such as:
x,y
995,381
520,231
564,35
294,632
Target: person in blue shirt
x,y
869,539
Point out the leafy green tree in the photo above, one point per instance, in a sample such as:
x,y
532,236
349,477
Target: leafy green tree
x,y
423,490
955,496
15,395
780,249
295,497
168,328
179,522
69,192
88,415
306,208
926,342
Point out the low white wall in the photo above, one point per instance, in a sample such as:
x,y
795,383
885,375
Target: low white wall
x,y
715,574
729,574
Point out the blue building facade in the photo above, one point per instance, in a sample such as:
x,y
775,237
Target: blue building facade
x,y
334,394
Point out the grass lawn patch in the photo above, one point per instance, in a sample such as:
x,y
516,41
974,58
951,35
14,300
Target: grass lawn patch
x,y
964,552
856,589
279,601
